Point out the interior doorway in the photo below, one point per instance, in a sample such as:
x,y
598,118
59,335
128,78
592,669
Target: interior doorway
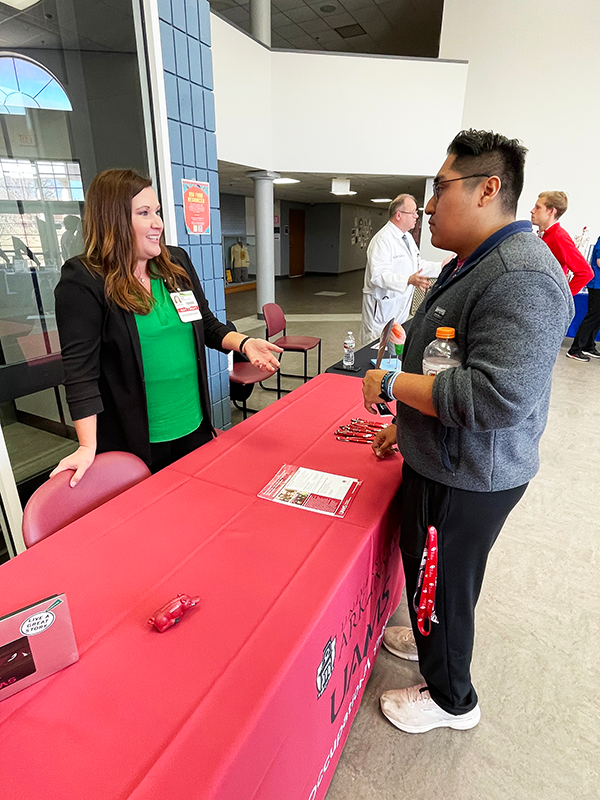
x,y
297,225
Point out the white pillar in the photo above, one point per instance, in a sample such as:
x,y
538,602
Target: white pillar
x,y
265,246
260,20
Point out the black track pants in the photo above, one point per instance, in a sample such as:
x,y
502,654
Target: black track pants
x,y
468,524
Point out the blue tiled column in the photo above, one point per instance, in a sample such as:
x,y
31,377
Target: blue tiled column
x,y
187,60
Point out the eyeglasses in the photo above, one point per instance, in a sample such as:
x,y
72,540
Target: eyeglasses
x,y
438,184
410,213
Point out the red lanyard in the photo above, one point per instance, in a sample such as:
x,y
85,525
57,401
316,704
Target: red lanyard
x,y
427,581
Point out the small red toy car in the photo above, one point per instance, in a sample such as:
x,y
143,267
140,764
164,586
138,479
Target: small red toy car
x,y
172,612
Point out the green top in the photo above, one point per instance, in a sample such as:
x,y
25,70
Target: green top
x,y
170,369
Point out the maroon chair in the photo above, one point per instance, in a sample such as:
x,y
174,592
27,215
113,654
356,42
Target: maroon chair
x,y
242,377
275,322
56,504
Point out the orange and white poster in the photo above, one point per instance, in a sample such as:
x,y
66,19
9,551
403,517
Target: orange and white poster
x,y
196,206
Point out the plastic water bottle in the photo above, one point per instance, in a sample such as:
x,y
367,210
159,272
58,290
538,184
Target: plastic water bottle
x,y
349,348
442,353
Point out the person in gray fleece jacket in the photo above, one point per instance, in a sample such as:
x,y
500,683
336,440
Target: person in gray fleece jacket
x,y
469,435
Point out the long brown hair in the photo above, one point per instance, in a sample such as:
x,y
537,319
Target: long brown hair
x,y
110,244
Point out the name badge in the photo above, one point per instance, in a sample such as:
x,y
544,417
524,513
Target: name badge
x,y
186,305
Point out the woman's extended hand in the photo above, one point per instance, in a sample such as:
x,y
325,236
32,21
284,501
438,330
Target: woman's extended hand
x,y
384,441
260,354
79,461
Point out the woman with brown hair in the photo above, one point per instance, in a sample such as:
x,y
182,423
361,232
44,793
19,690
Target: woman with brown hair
x,y
133,323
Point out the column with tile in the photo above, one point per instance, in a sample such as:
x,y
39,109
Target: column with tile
x,y
187,63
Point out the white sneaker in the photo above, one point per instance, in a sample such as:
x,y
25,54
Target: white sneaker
x,y
413,711
401,642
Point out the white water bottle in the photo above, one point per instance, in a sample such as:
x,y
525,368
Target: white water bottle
x,y
442,353
349,348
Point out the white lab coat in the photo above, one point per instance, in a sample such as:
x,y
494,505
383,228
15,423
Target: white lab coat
x,y
386,291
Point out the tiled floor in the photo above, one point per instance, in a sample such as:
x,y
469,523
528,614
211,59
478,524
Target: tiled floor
x,y
538,625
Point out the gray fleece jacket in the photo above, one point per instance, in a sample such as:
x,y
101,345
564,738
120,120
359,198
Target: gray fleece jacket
x,y
511,307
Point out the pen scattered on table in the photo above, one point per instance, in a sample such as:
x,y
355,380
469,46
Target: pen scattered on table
x,y
360,431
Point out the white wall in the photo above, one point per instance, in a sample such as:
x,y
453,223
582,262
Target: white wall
x,y
533,74
242,79
314,112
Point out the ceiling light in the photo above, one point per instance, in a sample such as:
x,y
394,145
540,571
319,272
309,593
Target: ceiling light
x,y
328,9
381,199
281,181
20,5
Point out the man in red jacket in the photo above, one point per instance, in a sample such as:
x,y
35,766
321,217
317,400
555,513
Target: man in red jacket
x,y
548,209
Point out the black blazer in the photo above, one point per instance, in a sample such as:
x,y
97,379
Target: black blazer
x,y
102,356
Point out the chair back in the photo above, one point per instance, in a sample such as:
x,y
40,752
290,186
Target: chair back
x,y
56,504
274,319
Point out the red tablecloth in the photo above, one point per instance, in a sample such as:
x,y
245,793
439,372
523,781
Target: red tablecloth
x,y
252,695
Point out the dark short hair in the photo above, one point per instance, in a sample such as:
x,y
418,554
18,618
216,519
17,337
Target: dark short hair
x,y
493,154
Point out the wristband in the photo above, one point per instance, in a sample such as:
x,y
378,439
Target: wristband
x,y
242,343
387,385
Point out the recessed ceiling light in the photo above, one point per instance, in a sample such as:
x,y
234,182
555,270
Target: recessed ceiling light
x,y
343,194
20,5
281,181
328,9
381,199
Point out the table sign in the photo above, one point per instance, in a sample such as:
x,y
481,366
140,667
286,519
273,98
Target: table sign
x,y
35,642
196,206
311,490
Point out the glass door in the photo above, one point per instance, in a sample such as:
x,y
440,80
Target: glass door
x,y
70,106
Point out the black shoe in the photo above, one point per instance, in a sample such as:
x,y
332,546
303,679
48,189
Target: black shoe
x,y
578,356
592,352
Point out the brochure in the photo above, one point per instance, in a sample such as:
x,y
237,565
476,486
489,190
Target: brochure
x,y
312,490
35,642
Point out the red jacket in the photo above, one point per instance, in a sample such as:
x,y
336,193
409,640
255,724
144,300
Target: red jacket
x,y
568,256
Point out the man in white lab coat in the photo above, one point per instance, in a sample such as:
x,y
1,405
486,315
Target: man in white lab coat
x,y
394,268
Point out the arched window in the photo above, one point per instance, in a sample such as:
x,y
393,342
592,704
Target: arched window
x,y
26,84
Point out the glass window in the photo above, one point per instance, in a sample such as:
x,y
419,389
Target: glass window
x,y
70,106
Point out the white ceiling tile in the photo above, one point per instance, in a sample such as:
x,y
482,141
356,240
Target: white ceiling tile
x,y
315,26
301,14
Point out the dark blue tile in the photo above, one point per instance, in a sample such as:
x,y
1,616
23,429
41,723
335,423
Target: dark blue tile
x,y
209,291
187,141
195,58
213,361
192,22
179,14
198,105
177,172
226,409
183,239
168,46
193,254
211,151
217,416
204,9
164,10
200,145
224,383
215,225
172,96
217,260
215,388
175,142
207,70
219,296
209,110
185,100
213,179
181,54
